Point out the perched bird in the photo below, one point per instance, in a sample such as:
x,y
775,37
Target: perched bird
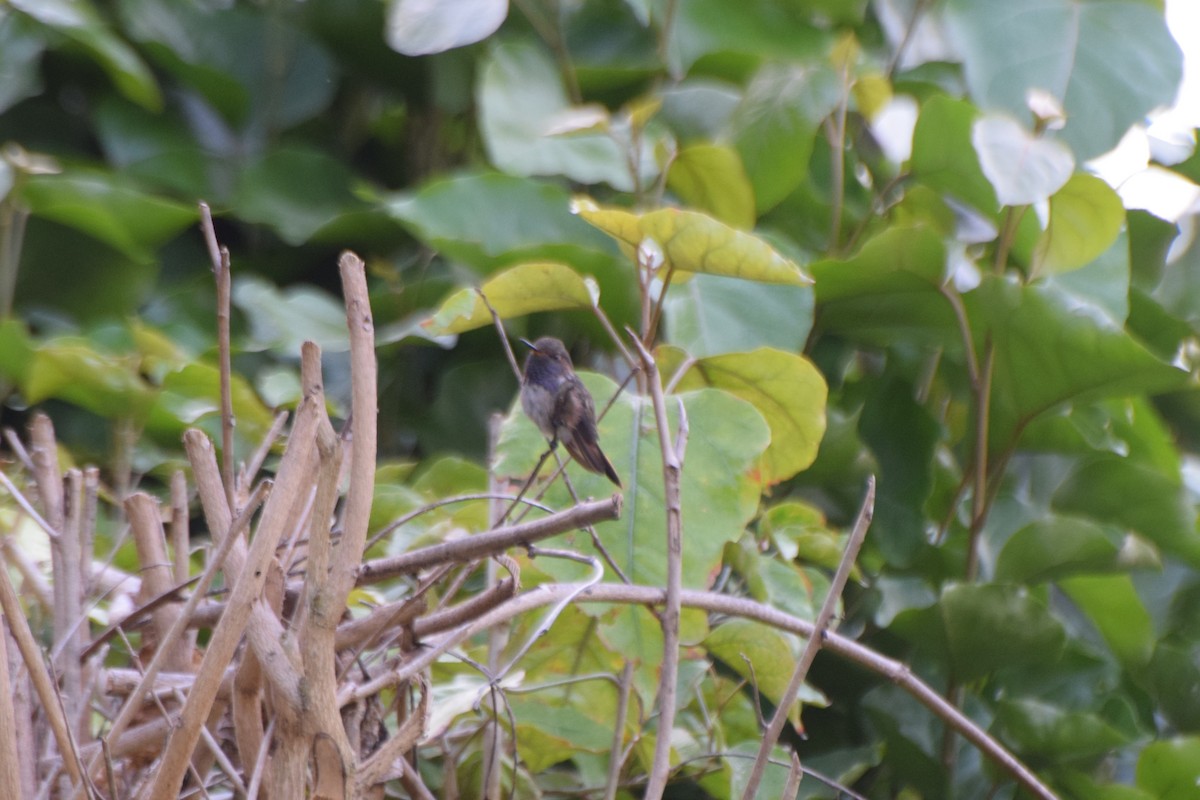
x,y
557,402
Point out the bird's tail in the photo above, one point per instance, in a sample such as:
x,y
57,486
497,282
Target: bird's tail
x,y
592,458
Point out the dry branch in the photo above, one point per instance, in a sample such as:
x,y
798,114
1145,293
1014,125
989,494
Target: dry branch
x,y
668,676
481,545
290,488
820,628
10,764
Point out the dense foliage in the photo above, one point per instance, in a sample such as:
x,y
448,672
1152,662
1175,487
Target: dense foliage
x,y
876,245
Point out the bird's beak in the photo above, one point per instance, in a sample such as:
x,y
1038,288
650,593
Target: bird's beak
x,y
529,344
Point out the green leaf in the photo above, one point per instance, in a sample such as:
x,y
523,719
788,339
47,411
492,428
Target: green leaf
x,y
771,656
774,127
108,208
1054,734
1170,769
694,242
991,626
1171,678
1086,217
156,148
786,389
1112,604
281,320
17,351
1101,286
71,369
522,104
1109,63
1081,783
1023,168
550,731
709,315
515,292
254,68
79,22
710,177
1056,547
191,397
417,27
1156,505
1048,353
904,439
19,54
700,109
889,289
492,220
751,30
943,157
296,192
1179,290
769,579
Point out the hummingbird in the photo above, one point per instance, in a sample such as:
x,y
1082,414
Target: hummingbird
x,y
559,404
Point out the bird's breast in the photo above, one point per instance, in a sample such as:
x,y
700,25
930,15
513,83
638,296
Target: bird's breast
x,y
538,403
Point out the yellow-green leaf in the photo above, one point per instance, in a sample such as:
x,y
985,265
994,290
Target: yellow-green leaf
x,y
786,389
1085,219
694,242
744,646
72,369
711,177
515,292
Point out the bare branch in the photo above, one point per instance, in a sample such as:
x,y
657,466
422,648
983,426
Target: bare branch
x,y
43,684
489,543
822,625
290,488
221,271
133,706
668,683
10,763
365,412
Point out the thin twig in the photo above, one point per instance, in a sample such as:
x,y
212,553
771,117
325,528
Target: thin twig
x,y
40,677
508,351
27,507
544,626
668,684
491,542
615,761
795,773
221,271
651,332
400,522
687,364
251,467
909,29
133,704
633,363
964,331
815,641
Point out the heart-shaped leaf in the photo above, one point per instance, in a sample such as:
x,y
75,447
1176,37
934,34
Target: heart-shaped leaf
x,y
786,389
515,292
1023,168
421,27
694,242
1085,219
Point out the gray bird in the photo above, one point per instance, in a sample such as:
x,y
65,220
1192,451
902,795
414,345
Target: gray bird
x,y
559,404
